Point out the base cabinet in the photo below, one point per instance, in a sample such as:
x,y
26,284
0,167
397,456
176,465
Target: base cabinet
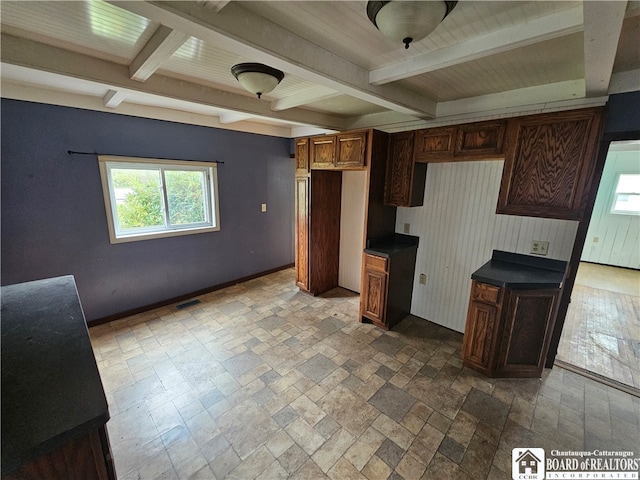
x,y
508,331
373,301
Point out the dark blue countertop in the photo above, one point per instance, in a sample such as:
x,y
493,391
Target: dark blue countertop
x,y
51,388
514,270
391,245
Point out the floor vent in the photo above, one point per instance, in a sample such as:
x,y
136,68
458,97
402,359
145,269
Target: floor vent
x,y
190,303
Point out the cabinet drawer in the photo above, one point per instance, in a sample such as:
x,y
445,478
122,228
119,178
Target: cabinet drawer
x,y
486,293
373,262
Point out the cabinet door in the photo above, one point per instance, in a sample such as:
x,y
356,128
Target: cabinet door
x,y
323,152
549,161
432,143
481,140
480,336
302,233
351,149
399,178
374,295
302,156
526,333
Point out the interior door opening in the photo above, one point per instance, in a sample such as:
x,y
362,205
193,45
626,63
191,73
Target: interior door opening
x,y
601,334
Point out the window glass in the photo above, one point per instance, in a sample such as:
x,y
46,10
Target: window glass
x,y
626,198
148,199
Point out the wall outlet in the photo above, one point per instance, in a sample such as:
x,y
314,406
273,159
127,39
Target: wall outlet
x,y
596,239
407,227
422,279
538,247
264,207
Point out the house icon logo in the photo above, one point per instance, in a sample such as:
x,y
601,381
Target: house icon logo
x,y
527,463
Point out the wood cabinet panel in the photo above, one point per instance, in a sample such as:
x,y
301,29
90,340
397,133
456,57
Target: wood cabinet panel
x,y
433,143
302,156
483,292
549,161
374,295
526,333
324,230
351,149
479,336
405,180
84,458
483,139
373,262
322,152
302,232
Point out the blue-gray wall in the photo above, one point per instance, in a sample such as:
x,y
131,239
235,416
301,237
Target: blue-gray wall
x,y
54,221
623,113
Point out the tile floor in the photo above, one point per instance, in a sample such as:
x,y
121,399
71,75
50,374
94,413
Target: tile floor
x,y
262,381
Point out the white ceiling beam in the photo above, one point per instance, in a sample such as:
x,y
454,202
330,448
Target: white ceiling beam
x,y
623,82
316,94
232,117
158,49
521,97
113,98
541,29
602,27
46,58
244,33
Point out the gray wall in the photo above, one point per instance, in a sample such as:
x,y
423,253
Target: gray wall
x,y
54,222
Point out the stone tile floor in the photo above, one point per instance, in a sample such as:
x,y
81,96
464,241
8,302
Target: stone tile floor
x,y
262,381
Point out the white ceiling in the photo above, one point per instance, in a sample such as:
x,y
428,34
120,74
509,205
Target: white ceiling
x,y
172,60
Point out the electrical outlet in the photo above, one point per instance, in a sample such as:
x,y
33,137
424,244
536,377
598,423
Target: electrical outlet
x,y
407,227
538,247
423,279
596,239
264,207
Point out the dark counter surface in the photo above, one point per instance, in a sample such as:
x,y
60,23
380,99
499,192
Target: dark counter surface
x,y
513,270
51,388
391,245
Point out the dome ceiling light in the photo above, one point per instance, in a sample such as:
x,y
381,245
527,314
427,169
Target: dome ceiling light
x,y
408,21
256,77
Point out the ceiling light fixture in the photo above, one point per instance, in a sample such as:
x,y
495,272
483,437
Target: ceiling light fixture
x,y
256,77
408,21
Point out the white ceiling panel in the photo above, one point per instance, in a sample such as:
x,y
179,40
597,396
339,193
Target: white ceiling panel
x,y
339,69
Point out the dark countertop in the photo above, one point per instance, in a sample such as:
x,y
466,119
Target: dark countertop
x,y
513,270
391,245
51,388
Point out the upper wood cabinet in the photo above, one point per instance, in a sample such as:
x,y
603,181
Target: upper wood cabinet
x,y
322,152
469,141
405,180
550,159
343,151
302,156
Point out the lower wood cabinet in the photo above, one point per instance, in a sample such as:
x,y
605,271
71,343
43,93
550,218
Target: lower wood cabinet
x,y
84,458
373,298
508,331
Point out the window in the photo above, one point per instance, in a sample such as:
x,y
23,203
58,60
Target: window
x,y
626,196
148,198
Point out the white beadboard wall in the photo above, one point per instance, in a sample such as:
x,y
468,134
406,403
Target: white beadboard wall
x,y
459,229
614,239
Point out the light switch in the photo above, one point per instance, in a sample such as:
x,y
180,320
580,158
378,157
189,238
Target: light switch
x,y
264,207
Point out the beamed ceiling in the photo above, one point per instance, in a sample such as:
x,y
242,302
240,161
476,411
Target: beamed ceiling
x,y
172,60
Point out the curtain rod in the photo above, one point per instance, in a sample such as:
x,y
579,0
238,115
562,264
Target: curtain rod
x,y
73,152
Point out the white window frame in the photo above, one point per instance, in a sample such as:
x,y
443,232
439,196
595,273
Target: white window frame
x,y
212,223
615,195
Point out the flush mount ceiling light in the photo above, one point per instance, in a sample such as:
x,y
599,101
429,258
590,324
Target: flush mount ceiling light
x,y
408,21
256,77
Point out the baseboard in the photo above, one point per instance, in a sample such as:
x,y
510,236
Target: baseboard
x,y
181,298
598,378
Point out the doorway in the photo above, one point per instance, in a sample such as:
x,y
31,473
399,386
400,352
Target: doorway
x,y
601,334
